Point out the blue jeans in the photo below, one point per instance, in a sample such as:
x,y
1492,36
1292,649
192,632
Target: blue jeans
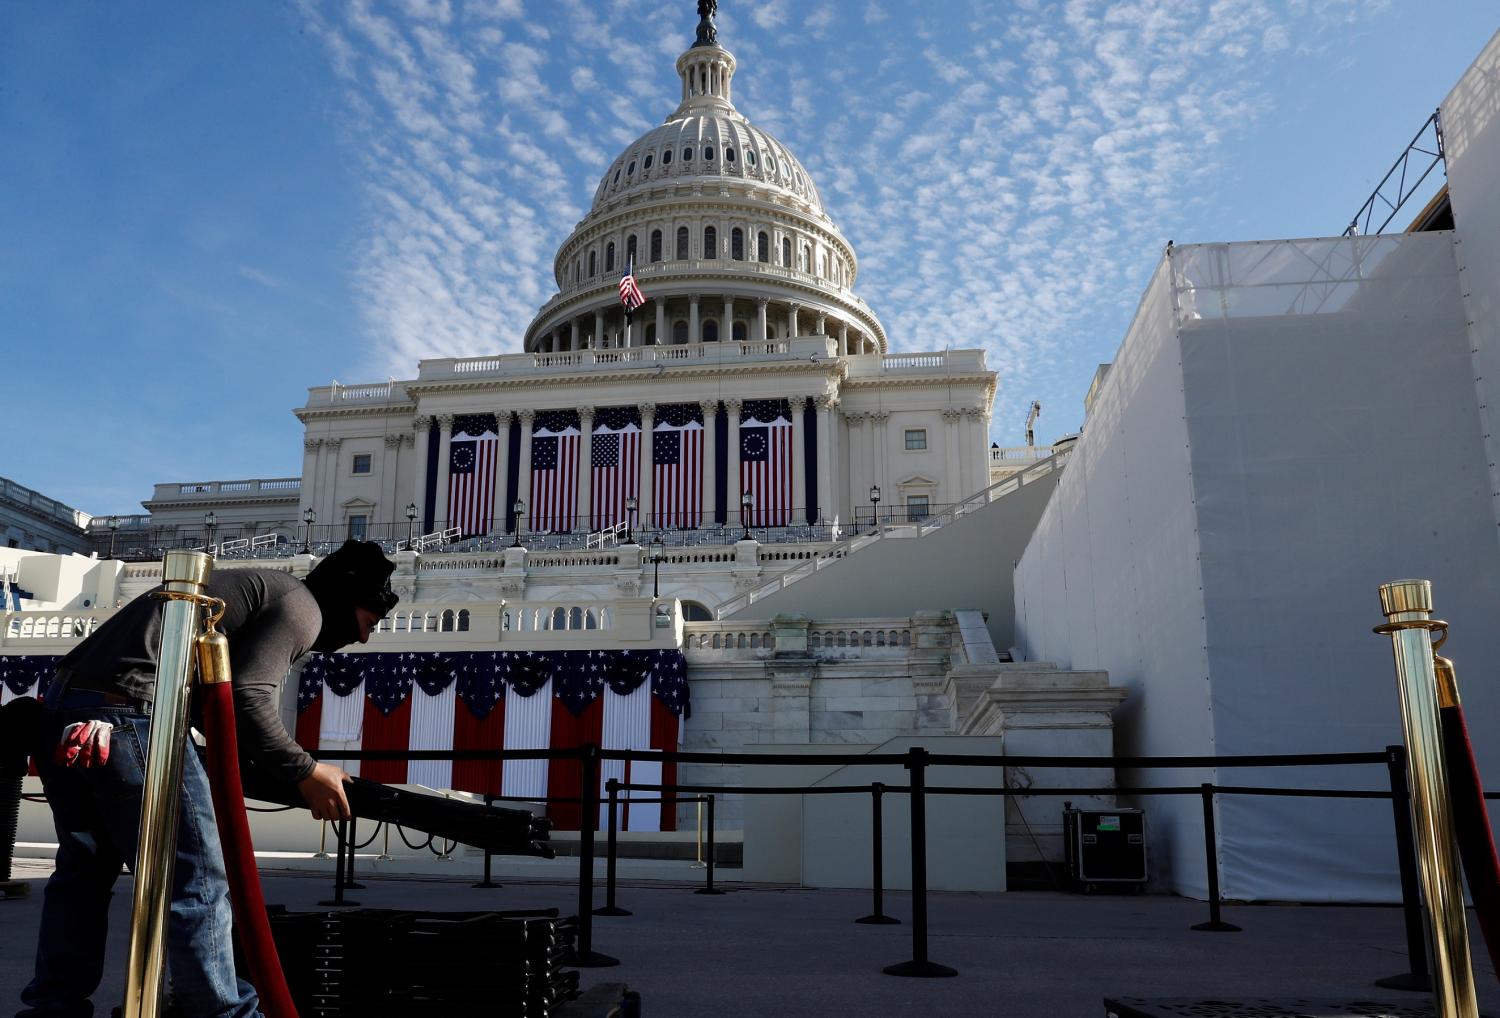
x,y
97,812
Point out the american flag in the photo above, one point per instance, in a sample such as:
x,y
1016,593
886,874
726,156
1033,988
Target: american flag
x,y
616,464
471,473
554,471
677,465
630,290
766,461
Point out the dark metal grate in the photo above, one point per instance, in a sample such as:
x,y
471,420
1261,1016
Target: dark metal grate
x,y
1257,1007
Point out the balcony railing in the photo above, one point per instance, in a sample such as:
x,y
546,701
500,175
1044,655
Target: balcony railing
x,y
278,487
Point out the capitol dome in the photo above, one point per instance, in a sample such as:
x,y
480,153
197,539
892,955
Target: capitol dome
x,y
724,227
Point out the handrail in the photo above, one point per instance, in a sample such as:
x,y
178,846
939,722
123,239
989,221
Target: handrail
x,y
597,539
919,528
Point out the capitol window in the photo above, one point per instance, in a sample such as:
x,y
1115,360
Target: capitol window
x,y
358,526
916,439
687,155
750,156
679,332
786,252
708,153
682,243
646,163
361,463
593,263
729,153
917,507
666,158
609,257
710,242
763,247
738,332
771,163
737,244
656,245
630,170
710,331
617,176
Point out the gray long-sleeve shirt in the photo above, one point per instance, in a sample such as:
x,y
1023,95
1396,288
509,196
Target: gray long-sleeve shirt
x,y
270,618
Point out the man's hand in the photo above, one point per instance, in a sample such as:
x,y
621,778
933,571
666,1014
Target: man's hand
x,y
323,791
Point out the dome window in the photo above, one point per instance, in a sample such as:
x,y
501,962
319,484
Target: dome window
x,y
786,253
771,163
729,153
617,176
710,331
609,257
710,242
630,170
646,163
737,244
593,263
679,332
763,247
738,333
666,158
687,155
656,245
682,243
708,153
750,156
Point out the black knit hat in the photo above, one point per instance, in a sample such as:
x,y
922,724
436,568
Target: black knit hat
x,y
358,575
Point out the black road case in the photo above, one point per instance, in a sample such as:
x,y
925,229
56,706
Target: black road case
x,y
1105,847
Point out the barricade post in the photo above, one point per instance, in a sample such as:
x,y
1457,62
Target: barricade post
x,y
584,955
489,801
1417,977
708,886
919,966
349,881
877,864
1216,923
612,786
341,835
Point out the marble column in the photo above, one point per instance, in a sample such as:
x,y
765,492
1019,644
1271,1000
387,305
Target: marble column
x,y
799,459
445,445
498,505
330,487
733,490
524,419
573,334
710,409
880,447
791,320
844,338
661,320
585,469
312,475
423,426
645,505
760,319
828,501
859,485
598,330
822,328
389,511
694,336
726,327
952,484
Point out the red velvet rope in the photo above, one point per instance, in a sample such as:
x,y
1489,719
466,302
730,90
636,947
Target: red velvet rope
x,y
1471,823
245,896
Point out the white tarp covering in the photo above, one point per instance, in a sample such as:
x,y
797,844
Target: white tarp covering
x,y
1287,425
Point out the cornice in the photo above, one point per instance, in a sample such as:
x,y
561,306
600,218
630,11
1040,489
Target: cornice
x,y
830,368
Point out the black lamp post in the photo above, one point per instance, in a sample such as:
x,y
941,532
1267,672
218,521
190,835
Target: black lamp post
x,y
411,524
875,505
309,518
746,501
113,523
520,510
656,547
630,504
210,524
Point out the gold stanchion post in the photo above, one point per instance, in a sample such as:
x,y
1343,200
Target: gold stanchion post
x,y
185,573
1407,605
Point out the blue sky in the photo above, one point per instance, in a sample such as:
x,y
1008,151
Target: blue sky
x,y
207,208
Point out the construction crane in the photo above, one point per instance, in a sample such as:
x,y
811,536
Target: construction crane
x,y
1031,416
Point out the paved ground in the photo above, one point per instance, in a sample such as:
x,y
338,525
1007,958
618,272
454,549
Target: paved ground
x,y
780,952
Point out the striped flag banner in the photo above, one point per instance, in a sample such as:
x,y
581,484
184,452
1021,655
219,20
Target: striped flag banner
x,y
766,461
472,456
616,466
554,471
677,466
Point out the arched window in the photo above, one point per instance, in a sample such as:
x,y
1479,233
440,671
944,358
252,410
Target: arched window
x,y
786,253
687,154
666,158
463,620
710,242
609,257
823,273
447,623
630,170
708,153
593,263
729,153
807,258
682,243
739,332
656,245
750,156
630,249
559,619
737,244
763,247
646,163
575,618
710,331
577,270
590,621
679,332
